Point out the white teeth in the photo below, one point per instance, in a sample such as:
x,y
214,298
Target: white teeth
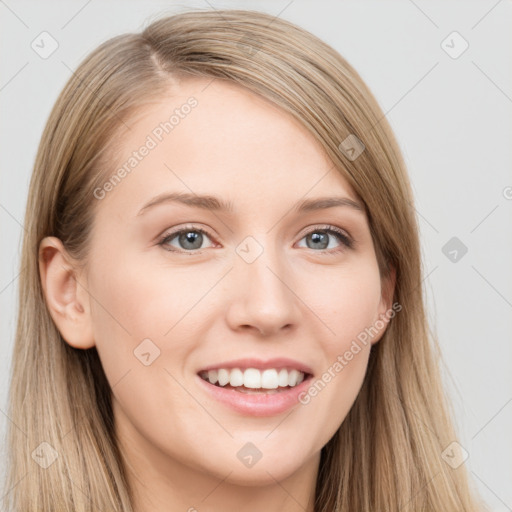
x,y
236,378
283,378
269,379
292,377
253,378
223,376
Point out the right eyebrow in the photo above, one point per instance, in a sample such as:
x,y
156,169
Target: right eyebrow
x,y
205,202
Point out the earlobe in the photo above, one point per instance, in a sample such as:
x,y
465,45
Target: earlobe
x,y
388,290
67,300
385,307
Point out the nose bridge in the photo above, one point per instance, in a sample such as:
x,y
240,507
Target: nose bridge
x,y
264,298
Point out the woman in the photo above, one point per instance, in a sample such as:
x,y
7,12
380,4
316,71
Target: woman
x,y
221,307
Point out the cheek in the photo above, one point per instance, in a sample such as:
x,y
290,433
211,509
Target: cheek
x,y
138,310
346,301
138,299
348,307
143,364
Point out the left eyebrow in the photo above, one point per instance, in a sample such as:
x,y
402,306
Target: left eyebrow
x,y
321,203
207,202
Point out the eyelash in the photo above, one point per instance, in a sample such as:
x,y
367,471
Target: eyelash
x,y
346,241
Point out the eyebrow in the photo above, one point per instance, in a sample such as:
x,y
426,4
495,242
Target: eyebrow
x,y
207,202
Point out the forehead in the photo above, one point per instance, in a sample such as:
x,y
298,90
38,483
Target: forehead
x,y
214,137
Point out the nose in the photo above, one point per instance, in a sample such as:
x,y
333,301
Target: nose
x,y
262,298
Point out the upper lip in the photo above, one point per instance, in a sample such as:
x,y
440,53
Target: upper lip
x,y
260,364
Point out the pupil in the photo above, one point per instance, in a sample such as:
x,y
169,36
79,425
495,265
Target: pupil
x,y
319,238
190,238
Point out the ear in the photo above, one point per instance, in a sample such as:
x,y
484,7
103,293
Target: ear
x,y
66,297
385,310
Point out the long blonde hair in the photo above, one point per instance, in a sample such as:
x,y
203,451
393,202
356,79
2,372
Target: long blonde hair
x,y
387,453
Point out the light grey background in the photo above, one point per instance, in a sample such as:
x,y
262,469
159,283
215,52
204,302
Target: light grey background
x,y
452,117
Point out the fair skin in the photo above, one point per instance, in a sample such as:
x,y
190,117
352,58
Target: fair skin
x,y
209,305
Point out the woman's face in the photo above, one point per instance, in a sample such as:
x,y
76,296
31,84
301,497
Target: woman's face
x,y
263,285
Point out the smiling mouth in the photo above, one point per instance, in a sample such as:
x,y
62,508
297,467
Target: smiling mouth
x,y
255,381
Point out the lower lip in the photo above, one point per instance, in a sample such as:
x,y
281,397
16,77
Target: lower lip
x,y
257,404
